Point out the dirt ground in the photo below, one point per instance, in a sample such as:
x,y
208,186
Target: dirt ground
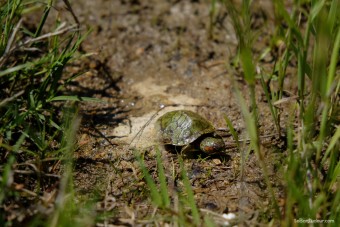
x,y
151,57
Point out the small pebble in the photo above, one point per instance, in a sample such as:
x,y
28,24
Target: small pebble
x,y
229,216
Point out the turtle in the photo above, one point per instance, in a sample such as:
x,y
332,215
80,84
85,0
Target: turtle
x,y
188,129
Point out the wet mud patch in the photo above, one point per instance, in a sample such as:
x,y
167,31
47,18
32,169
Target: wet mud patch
x,y
151,57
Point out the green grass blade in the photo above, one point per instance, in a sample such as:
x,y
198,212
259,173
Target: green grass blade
x,y
316,8
335,177
212,14
190,196
271,106
249,120
209,222
73,98
6,178
65,201
156,196
162,180
331,147
232,130
333,63
333,15
16,68
43,18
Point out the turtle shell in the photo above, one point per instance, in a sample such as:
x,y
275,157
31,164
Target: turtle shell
x,y
182,127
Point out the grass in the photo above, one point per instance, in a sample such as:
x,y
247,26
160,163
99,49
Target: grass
x,y
35,135
311,172
175,205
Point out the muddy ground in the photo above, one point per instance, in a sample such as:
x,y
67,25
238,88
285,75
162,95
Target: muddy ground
x,y
150,57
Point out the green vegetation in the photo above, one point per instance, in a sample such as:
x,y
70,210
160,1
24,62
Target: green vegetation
x,y
174,205
35,135
312,164
176,212
34,132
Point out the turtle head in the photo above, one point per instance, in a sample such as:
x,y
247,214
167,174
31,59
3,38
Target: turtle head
x,y
212,145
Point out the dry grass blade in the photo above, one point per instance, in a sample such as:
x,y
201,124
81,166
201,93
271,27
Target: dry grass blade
x,y
59,31
285,100
11,39
10,99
